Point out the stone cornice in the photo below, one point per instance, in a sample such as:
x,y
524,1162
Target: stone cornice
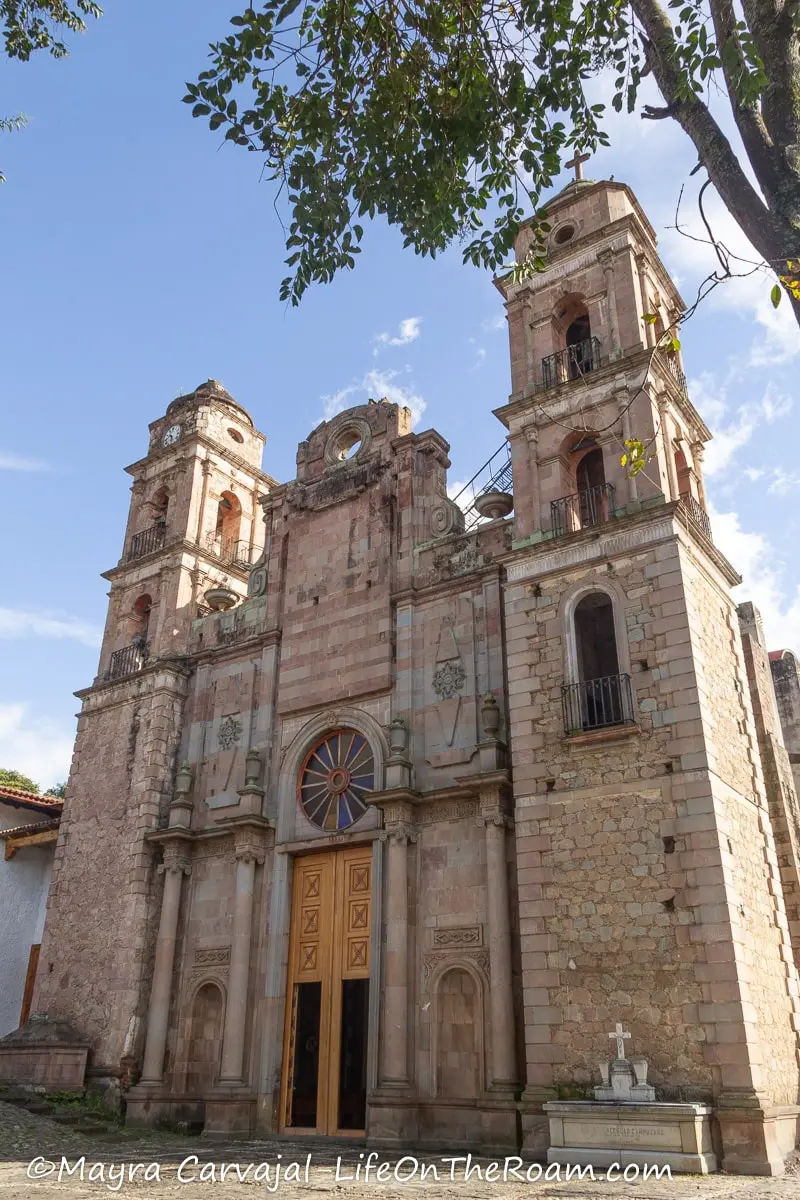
x,y
623,535
171,549
202,439
258,827
111,692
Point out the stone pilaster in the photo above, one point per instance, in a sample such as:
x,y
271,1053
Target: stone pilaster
x,y
395,1011
174,867
504,1068
246,856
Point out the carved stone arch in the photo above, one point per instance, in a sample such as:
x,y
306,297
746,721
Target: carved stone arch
x,y
295,753
465,1040
566,613
206,1022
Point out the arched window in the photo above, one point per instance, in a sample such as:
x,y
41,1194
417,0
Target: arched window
x,y
683,473
335,780
588,499
598,693
576,350
226,529
140,620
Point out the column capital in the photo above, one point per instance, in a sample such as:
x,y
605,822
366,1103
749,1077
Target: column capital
x,y
496,819
698,450
175,866
399,835
606,258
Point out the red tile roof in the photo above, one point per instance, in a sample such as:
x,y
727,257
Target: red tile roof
x,y
777,655
19,798
31,827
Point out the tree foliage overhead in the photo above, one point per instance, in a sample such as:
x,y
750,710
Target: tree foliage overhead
x,y
10,778
30,25
451,118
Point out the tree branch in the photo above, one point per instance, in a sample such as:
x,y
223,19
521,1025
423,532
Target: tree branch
x,y
694,117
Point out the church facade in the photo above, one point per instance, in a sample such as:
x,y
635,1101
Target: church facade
x,y
379,819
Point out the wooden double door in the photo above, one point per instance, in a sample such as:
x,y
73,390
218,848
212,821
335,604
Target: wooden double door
x,y
324,1085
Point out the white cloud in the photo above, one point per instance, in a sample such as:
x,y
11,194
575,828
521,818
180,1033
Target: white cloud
x,y
375,385
16,623
732,430
494,324
747,298
381,385
480,358
37,746
409,331
14,462
757,561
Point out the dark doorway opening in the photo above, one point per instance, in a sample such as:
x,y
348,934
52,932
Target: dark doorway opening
x,y
305,1076
353,1054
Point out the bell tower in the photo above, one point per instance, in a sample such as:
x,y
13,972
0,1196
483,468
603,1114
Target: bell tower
x,y
650,883
193,530
602,318
193,526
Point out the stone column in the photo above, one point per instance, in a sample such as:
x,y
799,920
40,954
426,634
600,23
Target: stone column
x,y
395,1007
236,1008
527,343
174,867
623,403
606,260
649,332
504,1071
532,438
666,439
698,450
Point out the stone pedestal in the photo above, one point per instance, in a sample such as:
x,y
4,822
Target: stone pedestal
x,y
44,1053
600,1133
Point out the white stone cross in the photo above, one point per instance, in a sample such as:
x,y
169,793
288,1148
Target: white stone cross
x,y
620,1038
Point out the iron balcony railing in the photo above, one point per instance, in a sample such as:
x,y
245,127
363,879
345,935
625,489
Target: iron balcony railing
x,y
128,660
697,513
148,541
231,552
572,363
597,703
675,371
594,506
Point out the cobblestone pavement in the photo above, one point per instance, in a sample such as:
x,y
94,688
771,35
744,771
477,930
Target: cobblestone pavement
x,y
31,1144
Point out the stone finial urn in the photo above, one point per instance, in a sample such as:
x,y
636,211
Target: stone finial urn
x,y
180,810
494,505
398,736
220,599
490,714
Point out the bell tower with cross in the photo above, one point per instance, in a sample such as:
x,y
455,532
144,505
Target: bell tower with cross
x,y
640,809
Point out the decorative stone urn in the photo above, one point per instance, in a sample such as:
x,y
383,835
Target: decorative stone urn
x,y
494,505
491,716
220,599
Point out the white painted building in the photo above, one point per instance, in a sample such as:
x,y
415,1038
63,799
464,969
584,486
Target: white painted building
x,y
28,833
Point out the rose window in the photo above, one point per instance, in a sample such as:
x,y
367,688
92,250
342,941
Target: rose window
x,y
335,780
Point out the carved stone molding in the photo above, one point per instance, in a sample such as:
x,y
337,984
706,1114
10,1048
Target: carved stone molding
x,y
447,810
454,955
449,679
211,956
401,835
459,935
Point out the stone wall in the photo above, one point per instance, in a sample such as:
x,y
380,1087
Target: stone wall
x,y
99,933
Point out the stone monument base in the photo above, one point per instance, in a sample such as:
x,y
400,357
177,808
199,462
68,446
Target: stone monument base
x,y
601,1133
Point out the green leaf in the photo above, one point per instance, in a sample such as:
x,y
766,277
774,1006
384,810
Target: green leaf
x,y
775,295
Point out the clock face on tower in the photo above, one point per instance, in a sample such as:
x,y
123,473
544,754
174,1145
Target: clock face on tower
x,y
172,435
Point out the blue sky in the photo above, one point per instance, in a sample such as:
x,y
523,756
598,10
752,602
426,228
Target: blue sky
x,y
141,256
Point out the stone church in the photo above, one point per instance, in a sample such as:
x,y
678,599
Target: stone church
x,y
381,815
